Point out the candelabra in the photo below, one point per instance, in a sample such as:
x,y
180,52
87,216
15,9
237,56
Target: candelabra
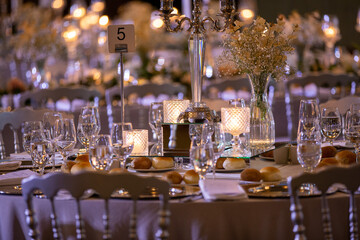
x,y
197,111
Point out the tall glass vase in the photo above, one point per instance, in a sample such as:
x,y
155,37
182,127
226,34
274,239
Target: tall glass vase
x,y
262,125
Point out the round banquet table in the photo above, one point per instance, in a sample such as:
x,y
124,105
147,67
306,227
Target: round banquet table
x,y
250,218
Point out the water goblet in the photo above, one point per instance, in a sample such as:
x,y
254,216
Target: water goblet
x,y
201,157
28,127
122,145
100,152
66,136
49,120
89,122
352,129
41,150
330,123
218,143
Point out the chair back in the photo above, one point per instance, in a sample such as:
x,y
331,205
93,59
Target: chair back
x,y
40,98
343,104
104,185
10,142
322,87
134,93
347,176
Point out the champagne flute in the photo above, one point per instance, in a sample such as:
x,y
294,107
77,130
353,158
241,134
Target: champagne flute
x,y
28,127
66,136
89,123
49,120
352,129
41,149
309,148
308,114
122,146
218,143
100,152
331,123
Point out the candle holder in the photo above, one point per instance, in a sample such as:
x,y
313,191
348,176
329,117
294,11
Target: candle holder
x,y
236,120
141,141
197,111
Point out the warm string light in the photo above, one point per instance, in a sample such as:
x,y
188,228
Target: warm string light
x,y
104,21
71,34
57,4
247,14
97,6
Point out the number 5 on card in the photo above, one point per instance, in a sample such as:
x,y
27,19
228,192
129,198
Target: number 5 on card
x,y
121,38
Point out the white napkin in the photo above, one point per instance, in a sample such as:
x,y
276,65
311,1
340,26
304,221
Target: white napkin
x,y
20,156
9,165
221,189
15,178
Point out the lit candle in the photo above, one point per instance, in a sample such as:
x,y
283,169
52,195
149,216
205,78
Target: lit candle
x,y
173,108
330,32
140,139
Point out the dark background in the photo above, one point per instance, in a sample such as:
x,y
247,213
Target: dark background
x,y
346,10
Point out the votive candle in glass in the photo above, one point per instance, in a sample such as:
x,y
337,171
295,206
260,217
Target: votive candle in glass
x,y
141,141
173,108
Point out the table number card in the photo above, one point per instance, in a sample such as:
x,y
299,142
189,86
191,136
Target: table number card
x,y
121,38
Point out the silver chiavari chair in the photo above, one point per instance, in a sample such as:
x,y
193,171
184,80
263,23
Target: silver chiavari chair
x,y
104,185
347,176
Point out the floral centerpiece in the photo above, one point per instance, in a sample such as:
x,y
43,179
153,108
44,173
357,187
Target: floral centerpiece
x,y
259,50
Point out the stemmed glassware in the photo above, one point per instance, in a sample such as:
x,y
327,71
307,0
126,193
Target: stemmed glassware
x,y
309,140
100,152
89,124
66,136
352,128
331,123
28,127
49,120
218,143
122,146
156,117
202,155
308,115
41,149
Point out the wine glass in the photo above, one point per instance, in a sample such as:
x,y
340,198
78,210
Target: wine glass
x,y
330,123
122,146
218,143
66,136
89,123
80,136
201,157
49,120
156,117
100,152
308,114
28,127
41,149
352,130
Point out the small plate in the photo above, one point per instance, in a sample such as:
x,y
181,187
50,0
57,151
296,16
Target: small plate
x,y
176,191
266,158
229,171
131,169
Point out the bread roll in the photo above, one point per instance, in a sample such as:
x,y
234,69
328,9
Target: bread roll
x,y
234,163
191,177
82,158
346,157
328,162
251,174
118,170
66,167
162,162
219,163
80,167
173,177
328,151
270,174
141,163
